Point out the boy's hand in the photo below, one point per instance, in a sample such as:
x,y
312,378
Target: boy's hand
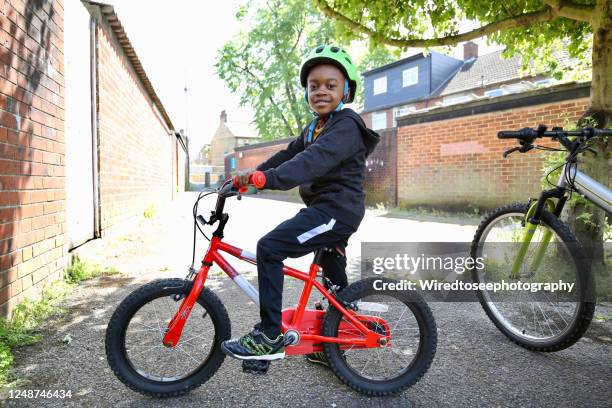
x,y
242,177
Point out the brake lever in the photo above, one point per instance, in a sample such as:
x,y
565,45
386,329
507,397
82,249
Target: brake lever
x,y
523,148
510,151
201,220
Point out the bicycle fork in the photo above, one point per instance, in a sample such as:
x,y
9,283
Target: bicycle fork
x,y
532,222
175,327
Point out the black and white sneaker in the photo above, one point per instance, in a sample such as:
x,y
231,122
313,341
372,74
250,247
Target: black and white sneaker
x,y
255,346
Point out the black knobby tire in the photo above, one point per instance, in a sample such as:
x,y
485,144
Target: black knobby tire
x,y
583,315
420,364
115,338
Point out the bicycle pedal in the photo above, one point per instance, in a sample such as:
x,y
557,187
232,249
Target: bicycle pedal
x,y
255,366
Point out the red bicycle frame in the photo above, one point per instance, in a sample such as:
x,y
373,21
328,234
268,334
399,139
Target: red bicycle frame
x,y
307,323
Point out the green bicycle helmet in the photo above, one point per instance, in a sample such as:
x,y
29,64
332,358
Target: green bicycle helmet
x,y
329,54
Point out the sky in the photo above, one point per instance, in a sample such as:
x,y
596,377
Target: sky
x,y
177,44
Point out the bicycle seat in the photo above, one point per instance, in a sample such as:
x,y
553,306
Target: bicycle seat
x,y
338,249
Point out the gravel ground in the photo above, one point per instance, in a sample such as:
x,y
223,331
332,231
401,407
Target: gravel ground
x,y
474,366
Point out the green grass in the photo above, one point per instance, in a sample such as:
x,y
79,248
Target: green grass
x,y
80,271
22,328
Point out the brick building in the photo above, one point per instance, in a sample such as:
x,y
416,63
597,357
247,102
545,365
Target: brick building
x,y
85,144
228,136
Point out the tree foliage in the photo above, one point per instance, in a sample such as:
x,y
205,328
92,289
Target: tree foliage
x,y
531,28
262,65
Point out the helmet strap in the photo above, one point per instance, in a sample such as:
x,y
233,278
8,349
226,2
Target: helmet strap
x,y
346,90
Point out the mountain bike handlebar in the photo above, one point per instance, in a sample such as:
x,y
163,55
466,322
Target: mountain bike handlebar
x,y
528,135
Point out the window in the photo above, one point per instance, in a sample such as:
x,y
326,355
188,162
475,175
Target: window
x,y
410,76
379,120
401,111
495,92
380,85
455,99
543,82
518,87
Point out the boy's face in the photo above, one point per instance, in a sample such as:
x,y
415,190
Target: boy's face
x,y
325,84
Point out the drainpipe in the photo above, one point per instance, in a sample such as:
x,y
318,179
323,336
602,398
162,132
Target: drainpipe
x,y
186,163
93,35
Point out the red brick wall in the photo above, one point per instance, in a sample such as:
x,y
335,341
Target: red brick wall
x,y
32,192
381,170
252,157
137,156
456,162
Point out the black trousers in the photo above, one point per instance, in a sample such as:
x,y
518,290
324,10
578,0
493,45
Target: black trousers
x,y
309,230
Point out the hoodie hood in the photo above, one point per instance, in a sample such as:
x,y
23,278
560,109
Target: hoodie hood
x,y
370,137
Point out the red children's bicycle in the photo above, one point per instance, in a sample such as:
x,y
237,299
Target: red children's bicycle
x,y
165,338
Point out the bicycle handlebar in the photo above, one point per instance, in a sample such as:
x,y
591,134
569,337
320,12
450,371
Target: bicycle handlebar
x,y
529,134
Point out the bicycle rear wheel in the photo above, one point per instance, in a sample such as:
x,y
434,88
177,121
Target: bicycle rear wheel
x,y
134,336
388,369
542,320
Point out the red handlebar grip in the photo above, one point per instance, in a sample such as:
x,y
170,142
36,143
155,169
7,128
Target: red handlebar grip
x,y
258,179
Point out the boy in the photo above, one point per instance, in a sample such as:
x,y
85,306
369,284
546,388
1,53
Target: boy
x,y
327,161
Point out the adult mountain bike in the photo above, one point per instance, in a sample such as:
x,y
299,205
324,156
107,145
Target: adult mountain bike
x,y
165,338
528,243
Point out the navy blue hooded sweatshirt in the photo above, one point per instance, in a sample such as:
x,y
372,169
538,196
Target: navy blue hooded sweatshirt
x,y
330,171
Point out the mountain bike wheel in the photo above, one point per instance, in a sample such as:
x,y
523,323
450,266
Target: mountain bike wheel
x,y
543,320
134,348
403,361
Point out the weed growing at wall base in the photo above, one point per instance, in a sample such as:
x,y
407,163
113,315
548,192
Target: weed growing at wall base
x,y
21,329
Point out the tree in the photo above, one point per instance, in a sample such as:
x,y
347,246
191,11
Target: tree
x,y
528,27
263,64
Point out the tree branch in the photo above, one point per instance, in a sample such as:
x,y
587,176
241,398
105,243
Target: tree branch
x,y
563,8
545,14
247,71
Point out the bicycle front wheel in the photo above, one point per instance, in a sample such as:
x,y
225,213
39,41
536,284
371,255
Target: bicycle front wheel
x,y
543,319
395,366
134,348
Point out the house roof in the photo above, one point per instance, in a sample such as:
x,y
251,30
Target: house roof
x,y
488,68
394,64
113,20
242,129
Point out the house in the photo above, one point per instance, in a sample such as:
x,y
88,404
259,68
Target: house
x,y
422,82
228,136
